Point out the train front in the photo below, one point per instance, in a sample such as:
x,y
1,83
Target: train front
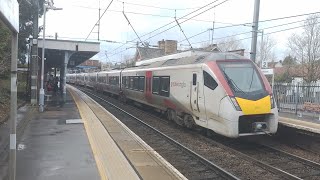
x,y
249,107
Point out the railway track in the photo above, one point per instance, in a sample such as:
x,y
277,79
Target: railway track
x,y
307,141
288,165
283,165
188,162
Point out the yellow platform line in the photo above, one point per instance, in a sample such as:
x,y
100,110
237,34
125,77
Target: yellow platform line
x,y
100,167
111,162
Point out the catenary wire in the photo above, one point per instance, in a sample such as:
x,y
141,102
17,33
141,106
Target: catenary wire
x,y
100,18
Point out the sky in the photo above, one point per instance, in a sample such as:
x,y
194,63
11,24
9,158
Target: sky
x,y
78,17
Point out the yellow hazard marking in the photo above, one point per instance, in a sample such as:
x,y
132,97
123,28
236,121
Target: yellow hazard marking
x,y
261,106
102,173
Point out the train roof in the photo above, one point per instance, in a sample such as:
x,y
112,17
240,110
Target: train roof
x,y
195,58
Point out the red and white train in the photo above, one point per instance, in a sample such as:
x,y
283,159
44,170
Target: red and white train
x,y
223,92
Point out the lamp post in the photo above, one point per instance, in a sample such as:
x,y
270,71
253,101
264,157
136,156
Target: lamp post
x,y
46,5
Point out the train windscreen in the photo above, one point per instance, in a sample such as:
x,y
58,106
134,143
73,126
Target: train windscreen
x,y
242,77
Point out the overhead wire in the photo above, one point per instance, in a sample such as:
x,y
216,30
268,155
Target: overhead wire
x,y
154,15
174,25
170,23
259,34
232,25
99,18
238,39
157,7
240,24
246,31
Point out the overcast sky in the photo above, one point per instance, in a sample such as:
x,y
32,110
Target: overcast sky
x,y
79,16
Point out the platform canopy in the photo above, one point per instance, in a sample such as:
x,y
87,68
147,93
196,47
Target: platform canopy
x,y
9,14
78,51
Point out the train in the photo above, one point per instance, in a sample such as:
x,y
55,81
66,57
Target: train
x,y
223,92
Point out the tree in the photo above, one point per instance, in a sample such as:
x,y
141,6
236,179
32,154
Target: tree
x,y
289,61
27,12
5,48
265,50
229,44
306,47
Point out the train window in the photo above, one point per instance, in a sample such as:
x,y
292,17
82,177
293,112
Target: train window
x,y
130,82
127,81
209,81
124,81
136,83
117,80
155,85
164,86
194,79
141,83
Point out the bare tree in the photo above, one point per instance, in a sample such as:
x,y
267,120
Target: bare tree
x,y
229,44
306,47
265,50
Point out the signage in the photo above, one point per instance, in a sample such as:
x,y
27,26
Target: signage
x,y
264,64
267,71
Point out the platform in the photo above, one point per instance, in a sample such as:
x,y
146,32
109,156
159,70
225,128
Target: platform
x,y
70,142
50,149
306,123
121,154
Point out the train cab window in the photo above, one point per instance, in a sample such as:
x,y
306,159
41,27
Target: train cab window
x,y
155,85
141,83
209,81
164,86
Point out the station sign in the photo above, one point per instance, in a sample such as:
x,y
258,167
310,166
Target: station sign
x,y
267,71
264,64
9,14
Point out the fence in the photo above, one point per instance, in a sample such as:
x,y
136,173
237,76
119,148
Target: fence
x,y
303,98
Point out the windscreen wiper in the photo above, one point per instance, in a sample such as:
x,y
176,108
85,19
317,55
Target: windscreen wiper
x,y
232,84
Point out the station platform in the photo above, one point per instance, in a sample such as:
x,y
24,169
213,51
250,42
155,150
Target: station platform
x,y
81,140
306,123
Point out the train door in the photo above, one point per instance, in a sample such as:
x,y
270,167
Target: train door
x,y
197,98
194,93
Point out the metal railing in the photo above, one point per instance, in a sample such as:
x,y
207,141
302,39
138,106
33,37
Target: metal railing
x,y
298,98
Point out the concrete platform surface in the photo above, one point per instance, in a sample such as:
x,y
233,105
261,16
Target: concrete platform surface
x,y
300,124
119,153
50,149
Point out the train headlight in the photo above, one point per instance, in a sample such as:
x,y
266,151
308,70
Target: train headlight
x,y
235,103
272,101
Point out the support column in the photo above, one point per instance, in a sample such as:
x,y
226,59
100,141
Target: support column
x,y
13,107
64,70
34,58
255,24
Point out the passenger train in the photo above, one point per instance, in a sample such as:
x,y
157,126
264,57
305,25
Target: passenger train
x,y
223,92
